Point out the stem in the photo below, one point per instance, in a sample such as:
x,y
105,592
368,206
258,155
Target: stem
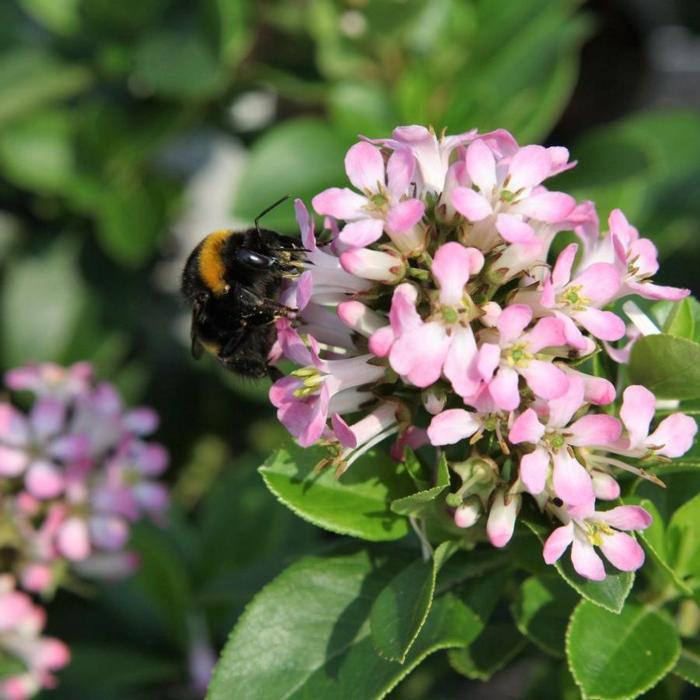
x,y
419,528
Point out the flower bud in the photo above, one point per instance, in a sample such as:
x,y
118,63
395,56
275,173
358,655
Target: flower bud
x,y
604,486
468,513
434,400
501,522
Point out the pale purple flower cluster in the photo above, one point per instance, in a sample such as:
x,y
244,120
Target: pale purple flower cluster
x,y
429,311
28,658
75,472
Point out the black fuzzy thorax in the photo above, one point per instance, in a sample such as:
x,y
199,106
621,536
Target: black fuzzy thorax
x,y
238,326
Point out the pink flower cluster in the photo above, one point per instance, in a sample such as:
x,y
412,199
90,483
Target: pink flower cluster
x,y
75,471
429,311
28,658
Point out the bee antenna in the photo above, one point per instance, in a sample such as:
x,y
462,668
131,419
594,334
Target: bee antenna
x,y
268,210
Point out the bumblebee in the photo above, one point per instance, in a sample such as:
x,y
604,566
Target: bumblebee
x,y
232,281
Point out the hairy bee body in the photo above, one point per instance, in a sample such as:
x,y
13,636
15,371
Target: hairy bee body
x,y
232,280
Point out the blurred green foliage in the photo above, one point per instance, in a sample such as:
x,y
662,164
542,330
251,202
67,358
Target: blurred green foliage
x,y
104,107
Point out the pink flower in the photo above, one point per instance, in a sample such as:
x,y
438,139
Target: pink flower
x,y
360,437
553,441
634,257
49,379
38,446
508,191
672,438
518,353
578,300
422,351
432,154
305,399
585,528
21,624
383,204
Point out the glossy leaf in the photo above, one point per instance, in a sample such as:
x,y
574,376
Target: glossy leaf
x,y
688,666
416,503
357,504
620,656
678,318
307,634
667,366
400,610
497,645
542,612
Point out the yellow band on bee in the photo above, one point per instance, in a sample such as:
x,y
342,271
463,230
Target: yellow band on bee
x,y
211,264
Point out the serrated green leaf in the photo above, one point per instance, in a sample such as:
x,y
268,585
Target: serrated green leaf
x,y
667,366
357,504
401,609
610,593
688,666
416,503
299,158
542,612
498,644
307,634
615,657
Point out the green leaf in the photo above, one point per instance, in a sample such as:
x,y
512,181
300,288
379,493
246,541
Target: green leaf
x,y
357,504
497,645
178,66
32,284
614,657
668,366
162,576
678,317
542,612
131,218
688,666
683,541
654,538
610,593
36,153
61,16
30,79
307,634
401,609
416,503
299,158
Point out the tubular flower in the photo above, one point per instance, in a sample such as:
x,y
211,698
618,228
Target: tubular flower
x,y
430,311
